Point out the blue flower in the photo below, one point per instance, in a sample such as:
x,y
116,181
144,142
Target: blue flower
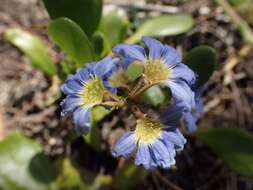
x,y
86,89
155,143
190,116
163,66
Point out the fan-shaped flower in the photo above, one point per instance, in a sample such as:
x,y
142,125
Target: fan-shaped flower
x,y
162,65
155,143
89,87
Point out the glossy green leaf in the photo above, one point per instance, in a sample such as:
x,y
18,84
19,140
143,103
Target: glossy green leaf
x,y
70,37
202,60
165,25
33,47
129,176
134,71
23,166
100,44
233,145
114,25
154,96
86,13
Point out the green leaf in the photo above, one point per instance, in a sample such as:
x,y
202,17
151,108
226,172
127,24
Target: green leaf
x,y
165,25
233,145
154,96
82,179
70,37
23,166
202,60
86,13
129,176
100,44
236,2
69,177
99,112
134,71
33,47
93,137
114,25
246,32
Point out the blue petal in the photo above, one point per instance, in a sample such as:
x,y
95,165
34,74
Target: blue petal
x,y
105,66
90,68
143,157
161,155
109,87
181,71
71,86
182,94
155,48
83,74
82,120
199,107
174,136
125,145
126,62
134,52
70,103
171,115
170,148
170,55
190,121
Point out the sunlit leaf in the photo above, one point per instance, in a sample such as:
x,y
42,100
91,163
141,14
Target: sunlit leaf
x,y
165,25
202,60
99,112
33,47
233,145
24,166
114,25
86,13
69,36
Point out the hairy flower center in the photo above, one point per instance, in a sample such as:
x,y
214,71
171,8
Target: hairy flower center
x,y
147,130
156,71
93,92
119,79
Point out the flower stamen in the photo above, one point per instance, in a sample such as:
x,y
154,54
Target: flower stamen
x,y
147,130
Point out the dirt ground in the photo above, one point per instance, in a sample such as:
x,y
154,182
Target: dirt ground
x,y
228,98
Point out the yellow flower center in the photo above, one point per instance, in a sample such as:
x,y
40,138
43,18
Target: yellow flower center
x,y
156,71
147,130
119,79
93,92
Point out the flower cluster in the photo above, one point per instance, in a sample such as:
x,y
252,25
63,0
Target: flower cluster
x,y
155,140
